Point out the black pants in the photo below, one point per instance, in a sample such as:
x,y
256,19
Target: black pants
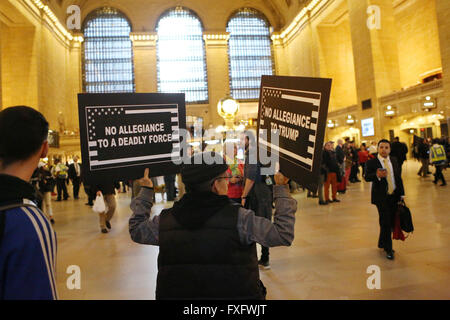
x,y
169,182
62,188
354,172
386,212
76,186
264,198
91,195
438,174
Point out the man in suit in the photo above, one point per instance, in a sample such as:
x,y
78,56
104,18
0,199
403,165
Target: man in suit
x,y
387,189
75,176
399,150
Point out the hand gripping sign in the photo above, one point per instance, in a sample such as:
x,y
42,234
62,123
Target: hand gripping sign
x,y
292,118
123,133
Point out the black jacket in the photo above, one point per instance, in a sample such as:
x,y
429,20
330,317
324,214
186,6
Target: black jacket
x,y
424,151
72,172
340,155
380,187
200,254
399,150
329,159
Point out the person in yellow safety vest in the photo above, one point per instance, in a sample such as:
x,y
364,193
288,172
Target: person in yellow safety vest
x,y
60,172
438,158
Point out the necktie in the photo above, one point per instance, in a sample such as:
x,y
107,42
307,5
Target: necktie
x,y
388,178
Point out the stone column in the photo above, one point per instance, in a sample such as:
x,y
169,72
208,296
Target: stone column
x,y
145,65
375,56
218,75
443,19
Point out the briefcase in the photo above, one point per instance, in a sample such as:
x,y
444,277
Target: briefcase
x,y
406,222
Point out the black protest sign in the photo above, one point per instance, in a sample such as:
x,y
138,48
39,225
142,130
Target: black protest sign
x,y
123,133
296,108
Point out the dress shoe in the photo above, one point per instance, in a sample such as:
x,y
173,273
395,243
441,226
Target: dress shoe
x,y
443,185
108,225
52,221
336,200
322,203
390,255
104,231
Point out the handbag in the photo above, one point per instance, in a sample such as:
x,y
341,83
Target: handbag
x,y
99,205
402,222
406,222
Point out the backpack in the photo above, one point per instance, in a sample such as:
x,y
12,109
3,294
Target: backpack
x,y
8,206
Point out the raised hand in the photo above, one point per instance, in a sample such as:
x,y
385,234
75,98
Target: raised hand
x,y
280,179
145,181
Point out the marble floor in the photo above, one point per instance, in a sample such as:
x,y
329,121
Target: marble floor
x,y
333,247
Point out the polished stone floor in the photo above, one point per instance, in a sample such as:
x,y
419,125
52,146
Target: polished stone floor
x,y
333,247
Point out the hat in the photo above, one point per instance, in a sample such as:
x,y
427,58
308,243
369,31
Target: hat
x,y
203,167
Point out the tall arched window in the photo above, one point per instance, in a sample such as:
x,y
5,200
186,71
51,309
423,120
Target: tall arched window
x,y
249,53
107,54
181,55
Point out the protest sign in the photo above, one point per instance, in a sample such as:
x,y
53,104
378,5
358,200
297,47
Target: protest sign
x,y
123,133
296,109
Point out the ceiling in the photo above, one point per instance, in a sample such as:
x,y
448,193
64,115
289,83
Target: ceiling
x,y
144,14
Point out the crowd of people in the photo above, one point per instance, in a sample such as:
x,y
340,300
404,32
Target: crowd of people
x,y
208,237
345,163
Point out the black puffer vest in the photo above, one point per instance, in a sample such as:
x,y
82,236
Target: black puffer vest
x,y
207,262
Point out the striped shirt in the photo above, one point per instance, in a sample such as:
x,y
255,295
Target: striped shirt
x,y
27,256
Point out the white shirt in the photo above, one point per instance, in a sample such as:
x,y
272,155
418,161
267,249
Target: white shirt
x,y
390,167
77,168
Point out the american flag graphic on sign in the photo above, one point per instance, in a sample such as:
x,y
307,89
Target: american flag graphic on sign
x,y
294,114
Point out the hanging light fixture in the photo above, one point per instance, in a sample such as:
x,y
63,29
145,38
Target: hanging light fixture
x,y
350,119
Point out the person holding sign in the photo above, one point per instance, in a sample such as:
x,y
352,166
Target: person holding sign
x,y
387,190
207,243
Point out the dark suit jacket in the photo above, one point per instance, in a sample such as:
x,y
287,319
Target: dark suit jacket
x,y
72,172
380,187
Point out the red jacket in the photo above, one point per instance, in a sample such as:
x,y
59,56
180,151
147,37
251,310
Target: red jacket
x,y
363,156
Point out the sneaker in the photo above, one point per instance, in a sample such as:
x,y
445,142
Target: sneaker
x,y
104,231
264,264
108,225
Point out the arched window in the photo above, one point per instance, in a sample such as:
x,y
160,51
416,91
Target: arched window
x,y
249,53
181,55
107,54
